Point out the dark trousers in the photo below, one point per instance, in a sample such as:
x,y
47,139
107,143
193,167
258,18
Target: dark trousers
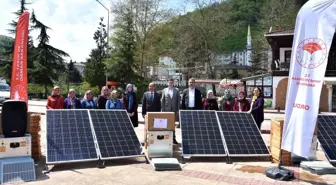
x,y
259,125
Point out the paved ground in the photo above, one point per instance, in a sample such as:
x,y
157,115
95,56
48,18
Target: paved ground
x,y
207,171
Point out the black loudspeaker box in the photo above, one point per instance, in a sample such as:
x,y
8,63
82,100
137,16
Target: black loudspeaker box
x,y
14,118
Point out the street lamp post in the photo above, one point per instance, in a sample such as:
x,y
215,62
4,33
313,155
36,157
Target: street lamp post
x,y
108,32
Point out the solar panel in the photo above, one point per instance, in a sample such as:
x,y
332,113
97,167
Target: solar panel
x,y
115,134
201,134
241,134
17,169
327,135
69,136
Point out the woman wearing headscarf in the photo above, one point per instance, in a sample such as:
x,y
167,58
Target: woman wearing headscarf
x,y
257,106
210,102
114,102
88,102
241,103
102,99
228,101
72,102
55,101
131,104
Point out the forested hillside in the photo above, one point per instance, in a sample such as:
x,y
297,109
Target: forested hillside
x,y
217,28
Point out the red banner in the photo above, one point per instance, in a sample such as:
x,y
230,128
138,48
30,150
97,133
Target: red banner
x,y
19,81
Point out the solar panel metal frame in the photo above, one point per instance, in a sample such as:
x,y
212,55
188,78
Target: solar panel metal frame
x,y
92,132
327,156
202,155
242,155
95,137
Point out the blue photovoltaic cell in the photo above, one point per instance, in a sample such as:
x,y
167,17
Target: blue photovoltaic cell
x,y
241,134
200,133
326,135
115,134
69,136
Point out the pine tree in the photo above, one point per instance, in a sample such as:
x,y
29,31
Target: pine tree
x,y
95,67
48,61
122,63
23,8
6,69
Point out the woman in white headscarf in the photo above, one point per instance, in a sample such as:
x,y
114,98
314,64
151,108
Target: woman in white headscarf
x,y
210,102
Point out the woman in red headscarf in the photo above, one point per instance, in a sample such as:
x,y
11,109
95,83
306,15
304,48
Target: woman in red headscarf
x,y
241,103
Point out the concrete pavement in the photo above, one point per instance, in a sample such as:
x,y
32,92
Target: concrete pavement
x,y
196,171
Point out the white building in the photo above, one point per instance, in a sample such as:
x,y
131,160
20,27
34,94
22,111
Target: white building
x,y
239,60
240,57
166,69
80,66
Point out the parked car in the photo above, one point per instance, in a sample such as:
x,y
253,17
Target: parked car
x,y
4,92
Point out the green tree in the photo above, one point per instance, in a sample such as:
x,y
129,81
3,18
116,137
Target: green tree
x,y
273,13
94,72
6,69
121,65
146,15
5,59
23,8
197,35
48,61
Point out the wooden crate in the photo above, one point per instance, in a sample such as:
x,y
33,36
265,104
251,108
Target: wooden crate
x,y
34,129
275,143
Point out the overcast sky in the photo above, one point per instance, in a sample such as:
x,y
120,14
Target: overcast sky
x,y
73,22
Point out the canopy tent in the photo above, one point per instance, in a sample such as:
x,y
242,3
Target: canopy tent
x,y
230,83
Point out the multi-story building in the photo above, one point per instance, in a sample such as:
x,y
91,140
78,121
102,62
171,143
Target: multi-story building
x,y
80,66
165,69
274,83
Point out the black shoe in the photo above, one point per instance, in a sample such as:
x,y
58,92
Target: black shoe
x,y
175,142
178,126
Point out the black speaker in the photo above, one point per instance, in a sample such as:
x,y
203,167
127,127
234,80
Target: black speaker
x,y
14,118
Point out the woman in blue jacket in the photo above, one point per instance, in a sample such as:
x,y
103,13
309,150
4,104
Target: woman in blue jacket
x,y
88,102
114,102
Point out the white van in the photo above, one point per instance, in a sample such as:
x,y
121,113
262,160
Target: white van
x,y
4,92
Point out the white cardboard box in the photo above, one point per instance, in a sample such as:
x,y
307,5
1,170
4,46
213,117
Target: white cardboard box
x,y
15,146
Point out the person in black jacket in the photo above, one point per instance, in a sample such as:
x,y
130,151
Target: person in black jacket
x,y
102,99
130,102
192,97
210,102
151,101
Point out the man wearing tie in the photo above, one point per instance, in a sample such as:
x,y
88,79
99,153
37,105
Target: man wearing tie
x,y
151,101
192,97
170,101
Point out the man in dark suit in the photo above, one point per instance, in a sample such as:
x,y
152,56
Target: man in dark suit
x,y
192,97
151,101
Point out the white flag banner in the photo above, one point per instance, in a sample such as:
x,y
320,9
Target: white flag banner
x,y
314,31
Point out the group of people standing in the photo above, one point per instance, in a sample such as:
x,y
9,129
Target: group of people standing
x,y
169,101
239,104
106,100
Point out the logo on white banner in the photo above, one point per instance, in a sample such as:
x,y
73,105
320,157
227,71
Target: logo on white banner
x,y
311,53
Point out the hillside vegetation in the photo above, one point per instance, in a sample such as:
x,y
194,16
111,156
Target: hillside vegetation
x,y
217,28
